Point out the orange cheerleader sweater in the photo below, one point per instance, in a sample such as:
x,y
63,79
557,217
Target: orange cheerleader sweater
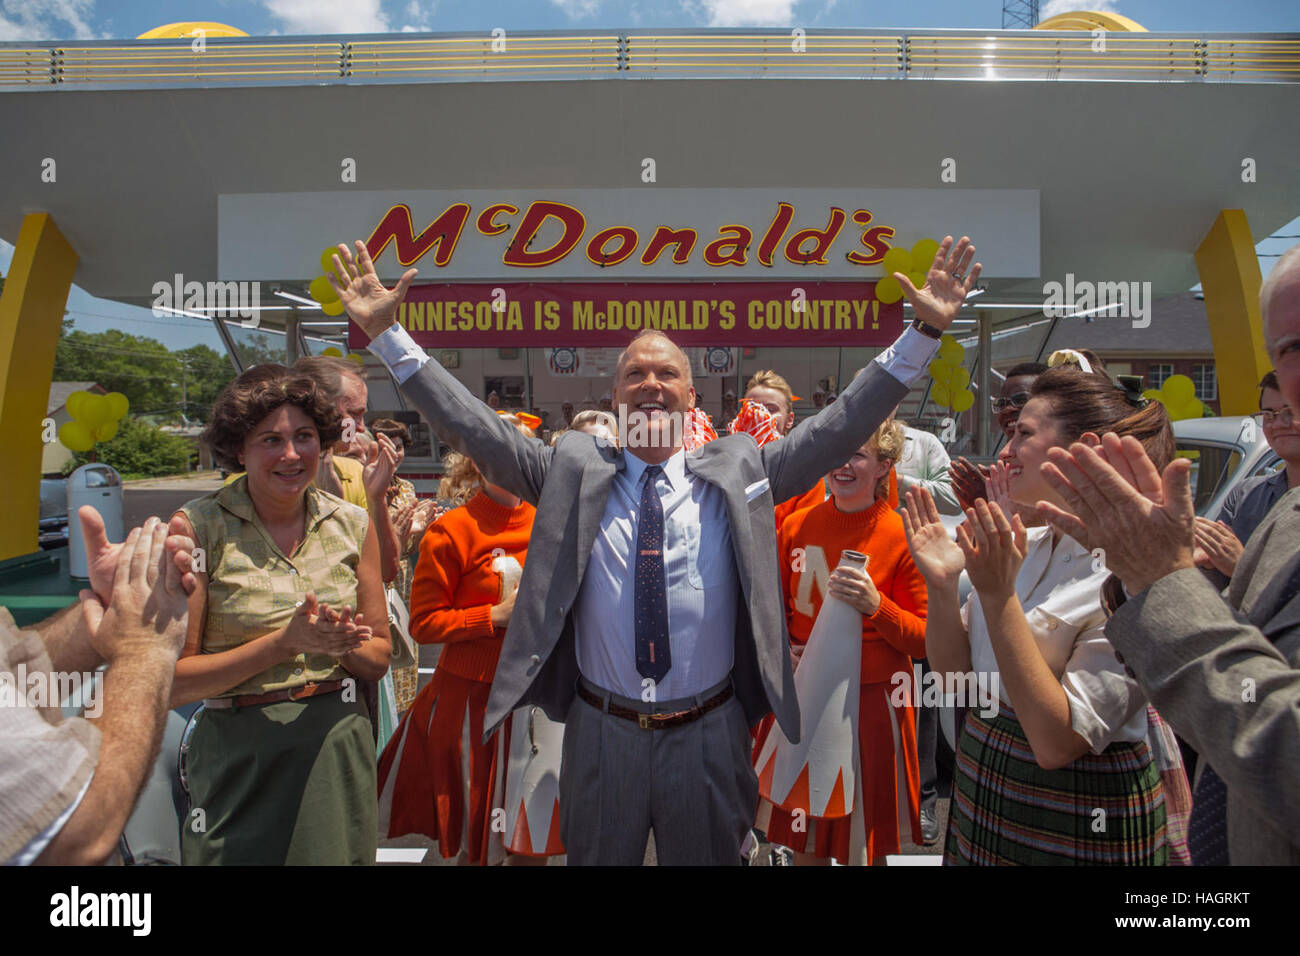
x,y
455,587
810,542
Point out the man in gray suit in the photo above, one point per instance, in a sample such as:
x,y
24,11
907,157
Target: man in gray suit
x,y
1225,674
649,617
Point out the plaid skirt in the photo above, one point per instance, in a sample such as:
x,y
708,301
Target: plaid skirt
x,y
1106,808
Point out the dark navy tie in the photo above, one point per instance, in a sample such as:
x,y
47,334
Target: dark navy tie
x,y
1207,827
653,657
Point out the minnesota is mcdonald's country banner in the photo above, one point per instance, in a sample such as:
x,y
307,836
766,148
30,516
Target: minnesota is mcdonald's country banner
x,y
594,314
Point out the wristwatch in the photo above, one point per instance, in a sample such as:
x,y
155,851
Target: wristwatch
x,y
926,329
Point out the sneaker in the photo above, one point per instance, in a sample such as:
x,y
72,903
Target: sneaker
x,y
929,827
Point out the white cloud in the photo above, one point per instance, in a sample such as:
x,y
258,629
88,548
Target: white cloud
x,y
577,9
329,16
46,20
1053,7
419,17
743,13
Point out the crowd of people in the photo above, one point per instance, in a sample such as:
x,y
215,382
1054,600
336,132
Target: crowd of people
x,y
628,624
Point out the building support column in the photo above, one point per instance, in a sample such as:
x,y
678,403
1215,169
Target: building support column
x,y
31,316
983,410
1230,279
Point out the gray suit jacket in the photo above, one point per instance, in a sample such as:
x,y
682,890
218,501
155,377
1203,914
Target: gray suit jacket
x,y
1226,676
569,484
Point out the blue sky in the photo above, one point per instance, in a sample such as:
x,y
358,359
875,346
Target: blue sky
x,y
102,19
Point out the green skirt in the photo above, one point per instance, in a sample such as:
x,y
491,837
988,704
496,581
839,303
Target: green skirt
x,y
1106,808
290,783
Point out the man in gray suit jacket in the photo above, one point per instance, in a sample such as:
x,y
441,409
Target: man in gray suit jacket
x,y
1225,674
649,616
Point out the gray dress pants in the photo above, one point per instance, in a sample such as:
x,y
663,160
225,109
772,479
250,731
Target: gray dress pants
x,y
693,785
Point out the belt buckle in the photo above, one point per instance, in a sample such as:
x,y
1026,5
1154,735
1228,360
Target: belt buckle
x,y
643,721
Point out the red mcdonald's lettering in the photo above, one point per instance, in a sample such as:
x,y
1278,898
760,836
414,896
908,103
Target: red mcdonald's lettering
x,y
825,238
874,240
682,241
739,244
485,219
772,238
396,227
518,254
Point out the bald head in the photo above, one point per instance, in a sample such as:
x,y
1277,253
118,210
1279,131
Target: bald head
x,y
658,337
1279,301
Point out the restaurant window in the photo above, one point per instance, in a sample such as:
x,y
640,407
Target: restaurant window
x,y
1156,375
1207,385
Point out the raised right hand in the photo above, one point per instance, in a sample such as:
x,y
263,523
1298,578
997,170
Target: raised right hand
x,y
367,302
935,554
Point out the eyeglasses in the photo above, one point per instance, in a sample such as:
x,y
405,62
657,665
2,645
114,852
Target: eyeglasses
x,y
1018,400
1280,416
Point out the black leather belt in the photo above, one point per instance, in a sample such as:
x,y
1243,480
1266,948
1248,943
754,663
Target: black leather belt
x,y
657,721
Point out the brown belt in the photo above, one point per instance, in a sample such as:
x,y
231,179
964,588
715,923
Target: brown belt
x,y
657,721
289,693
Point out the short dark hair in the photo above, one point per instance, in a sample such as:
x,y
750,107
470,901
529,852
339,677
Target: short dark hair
x,y
1026,368
329,371
1268,381
257,393
392,428
1090,402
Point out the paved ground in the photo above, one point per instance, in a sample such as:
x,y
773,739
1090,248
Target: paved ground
x,y
162,496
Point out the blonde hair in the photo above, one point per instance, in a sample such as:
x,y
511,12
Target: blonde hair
x,y
462,478
767,378
594,416
888,441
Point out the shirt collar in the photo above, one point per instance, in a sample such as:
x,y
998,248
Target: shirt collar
x,y
674,468
235,498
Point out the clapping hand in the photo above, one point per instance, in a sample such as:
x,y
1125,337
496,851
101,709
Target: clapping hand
x,y
317,629
949,281
968,482
994,548
1142,519
381,464
367,302
1217,546
938,559
102,555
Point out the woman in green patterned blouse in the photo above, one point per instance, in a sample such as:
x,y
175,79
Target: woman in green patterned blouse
x,y
289,614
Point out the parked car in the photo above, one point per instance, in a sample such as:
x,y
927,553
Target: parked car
x,y
1227,451
54,513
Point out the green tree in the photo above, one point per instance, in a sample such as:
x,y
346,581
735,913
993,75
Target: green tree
x,y
142,369
205,373
140,450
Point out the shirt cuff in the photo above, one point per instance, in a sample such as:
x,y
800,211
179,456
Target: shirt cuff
x,y
28,854
397,350
909,356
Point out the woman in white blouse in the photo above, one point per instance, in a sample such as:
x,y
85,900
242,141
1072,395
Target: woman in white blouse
x,y
1061,773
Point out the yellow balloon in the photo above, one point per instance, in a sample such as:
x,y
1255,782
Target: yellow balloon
x,y
73,404
118,405
1178,389
940,394
95,411
106,431
332,308
950,350
321,290
897,260
960,378
332,351
76,437
327,260
355,357
941,371
923,254
1153,395
963,400
888,290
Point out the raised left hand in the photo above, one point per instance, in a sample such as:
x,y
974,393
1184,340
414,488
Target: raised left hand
x,y
949,281
1143,520
855,588
995,548
380,467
